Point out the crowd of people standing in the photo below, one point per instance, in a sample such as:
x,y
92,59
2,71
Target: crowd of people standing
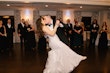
x,y
25,31
72,34
6,35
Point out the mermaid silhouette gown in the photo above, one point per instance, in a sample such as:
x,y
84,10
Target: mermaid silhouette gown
x,y
61,59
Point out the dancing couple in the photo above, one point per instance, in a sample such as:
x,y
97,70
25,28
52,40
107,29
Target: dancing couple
x,y
61,59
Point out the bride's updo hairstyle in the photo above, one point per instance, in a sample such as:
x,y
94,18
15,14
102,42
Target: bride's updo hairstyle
x,y
40,33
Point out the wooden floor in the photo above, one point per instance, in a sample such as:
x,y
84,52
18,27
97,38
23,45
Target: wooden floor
x,y
28,61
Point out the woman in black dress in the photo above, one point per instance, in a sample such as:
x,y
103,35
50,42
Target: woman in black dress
x,y
103,41
3,45
30,36
77,35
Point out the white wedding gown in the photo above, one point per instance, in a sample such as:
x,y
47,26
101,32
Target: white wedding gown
x,y
61,59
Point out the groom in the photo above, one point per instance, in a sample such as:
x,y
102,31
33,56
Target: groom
x,y
60,30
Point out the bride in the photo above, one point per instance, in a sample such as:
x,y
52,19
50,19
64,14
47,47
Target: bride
x,y
61,59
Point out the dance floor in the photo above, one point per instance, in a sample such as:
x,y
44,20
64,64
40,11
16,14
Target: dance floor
x,y
33,61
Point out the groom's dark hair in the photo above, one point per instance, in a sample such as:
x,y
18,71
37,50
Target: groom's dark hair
x,y
47,15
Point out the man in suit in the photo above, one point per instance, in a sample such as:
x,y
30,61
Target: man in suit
x,y
69,28
60,30
10,33
93,32
21,32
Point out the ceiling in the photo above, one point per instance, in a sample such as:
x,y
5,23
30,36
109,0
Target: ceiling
x,y
39,4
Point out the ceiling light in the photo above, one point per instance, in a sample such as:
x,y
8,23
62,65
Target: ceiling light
x,y
80,6
5,16
8,5
68,3
27,2
46,5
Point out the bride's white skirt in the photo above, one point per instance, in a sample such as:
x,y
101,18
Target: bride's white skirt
x,y
61,59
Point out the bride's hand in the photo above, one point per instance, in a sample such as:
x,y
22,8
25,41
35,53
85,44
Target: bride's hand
x,y
57,22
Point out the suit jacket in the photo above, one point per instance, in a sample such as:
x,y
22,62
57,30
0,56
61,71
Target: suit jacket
x,y
10,31
94,27
68,28
21,29
61,33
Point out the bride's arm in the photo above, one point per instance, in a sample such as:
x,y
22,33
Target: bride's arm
x,y
50,32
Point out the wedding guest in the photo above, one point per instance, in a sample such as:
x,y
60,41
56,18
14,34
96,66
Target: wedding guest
x,y
69,28
93,32
10,30
30,36
103,41
21,32
77,35
3,39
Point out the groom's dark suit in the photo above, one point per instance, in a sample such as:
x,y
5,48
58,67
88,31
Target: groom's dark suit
x,y
61,34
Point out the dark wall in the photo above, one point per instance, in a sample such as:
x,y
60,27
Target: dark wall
x,y
4,19
87,22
